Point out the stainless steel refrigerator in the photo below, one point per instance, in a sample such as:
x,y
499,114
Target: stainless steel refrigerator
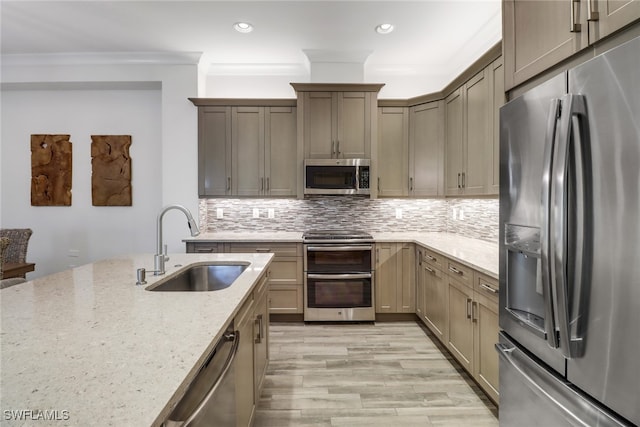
x,y
570,247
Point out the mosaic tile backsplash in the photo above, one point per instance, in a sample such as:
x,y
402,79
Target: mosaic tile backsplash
x,y
477,218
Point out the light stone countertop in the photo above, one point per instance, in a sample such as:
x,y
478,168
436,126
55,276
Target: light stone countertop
x,y
99,350
478,254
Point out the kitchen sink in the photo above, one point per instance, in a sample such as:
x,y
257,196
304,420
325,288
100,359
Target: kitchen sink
x,y
202,278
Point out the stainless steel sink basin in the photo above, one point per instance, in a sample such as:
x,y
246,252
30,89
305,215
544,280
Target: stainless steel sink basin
x,y
202,278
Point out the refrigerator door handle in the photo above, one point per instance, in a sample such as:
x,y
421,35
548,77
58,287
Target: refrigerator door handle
x,y
545,229
573,108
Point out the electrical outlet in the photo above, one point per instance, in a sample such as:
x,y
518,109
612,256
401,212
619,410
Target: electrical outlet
x,y
256,213
461,216
398,213
271,213
219,213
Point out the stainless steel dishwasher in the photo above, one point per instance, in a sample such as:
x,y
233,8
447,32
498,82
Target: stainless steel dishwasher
x,y
210,400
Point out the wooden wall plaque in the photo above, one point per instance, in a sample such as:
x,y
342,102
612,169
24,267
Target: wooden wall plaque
x,y
51,168
111,177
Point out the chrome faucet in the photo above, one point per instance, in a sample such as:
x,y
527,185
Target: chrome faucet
x,y
160,257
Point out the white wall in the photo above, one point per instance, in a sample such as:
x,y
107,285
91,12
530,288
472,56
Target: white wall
x,y
148,102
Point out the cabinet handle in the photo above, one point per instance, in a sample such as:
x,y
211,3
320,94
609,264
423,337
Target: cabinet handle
x,y
574,27
469,300
459,181
263,250
592,12
207,250
464,179
259,336
378,256
378,183
337,149
430,270
268,184
474,312
488,288
261,184
411,184
419,257
430,257
228,183
333,148
455,270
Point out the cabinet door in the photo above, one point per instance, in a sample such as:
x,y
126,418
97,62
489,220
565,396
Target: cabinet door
x,y
260,337
406,284
420,286
485,319
354,125
248,151
386,278
453,143
285,299
477,144
426,140
245,391
608,16
214,151
393,154
319,124
435,295
460,340
497,88
280,167
537,35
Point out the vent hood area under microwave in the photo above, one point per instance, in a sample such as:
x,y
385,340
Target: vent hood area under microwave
x,y
337,176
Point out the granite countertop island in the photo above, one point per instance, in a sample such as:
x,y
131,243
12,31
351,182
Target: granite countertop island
x,y
478,254
87,346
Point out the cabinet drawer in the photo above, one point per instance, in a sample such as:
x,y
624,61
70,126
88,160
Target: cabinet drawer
x,y
204,247
286,270
460,272
486,286
285,299
434,259
279,249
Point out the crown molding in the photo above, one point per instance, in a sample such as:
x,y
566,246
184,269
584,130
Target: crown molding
x,y
102,58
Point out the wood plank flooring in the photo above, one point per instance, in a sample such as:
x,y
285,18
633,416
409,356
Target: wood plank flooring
x,y
383,374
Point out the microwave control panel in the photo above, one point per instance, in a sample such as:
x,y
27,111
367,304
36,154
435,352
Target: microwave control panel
x,y
363,173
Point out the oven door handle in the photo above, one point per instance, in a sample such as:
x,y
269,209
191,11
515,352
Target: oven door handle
x,y
338,248
339,276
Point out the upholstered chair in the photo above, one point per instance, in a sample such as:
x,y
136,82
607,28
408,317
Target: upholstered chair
x,y
5,283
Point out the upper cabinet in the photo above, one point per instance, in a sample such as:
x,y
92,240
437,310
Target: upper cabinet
x,y
337,120
540,34
246,150
426,146
393,147
468,145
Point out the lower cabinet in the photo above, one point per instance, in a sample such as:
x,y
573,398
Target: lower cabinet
x,y
395,278
285,281
460,307
252,357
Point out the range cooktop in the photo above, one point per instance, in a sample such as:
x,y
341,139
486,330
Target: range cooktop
x,y
335,234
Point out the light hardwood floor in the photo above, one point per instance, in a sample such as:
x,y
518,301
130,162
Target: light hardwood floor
x,y
383,374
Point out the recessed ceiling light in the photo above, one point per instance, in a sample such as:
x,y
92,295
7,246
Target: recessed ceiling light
x,y
384,28
243,27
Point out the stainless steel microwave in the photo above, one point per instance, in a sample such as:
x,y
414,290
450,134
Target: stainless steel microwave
x,y
336,176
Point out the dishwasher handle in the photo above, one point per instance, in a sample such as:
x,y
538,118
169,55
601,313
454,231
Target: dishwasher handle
x,y
232,336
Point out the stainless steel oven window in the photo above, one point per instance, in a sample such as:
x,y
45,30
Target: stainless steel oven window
x,y
339,292
338,259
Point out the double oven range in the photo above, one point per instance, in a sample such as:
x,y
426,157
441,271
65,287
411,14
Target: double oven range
x,y
338,276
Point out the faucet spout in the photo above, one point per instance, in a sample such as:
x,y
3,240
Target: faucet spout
x,y
160,256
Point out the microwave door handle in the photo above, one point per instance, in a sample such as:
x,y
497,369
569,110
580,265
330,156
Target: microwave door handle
x,y
545,232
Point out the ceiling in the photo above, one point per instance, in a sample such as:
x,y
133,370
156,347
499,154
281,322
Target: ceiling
x,y
431,37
